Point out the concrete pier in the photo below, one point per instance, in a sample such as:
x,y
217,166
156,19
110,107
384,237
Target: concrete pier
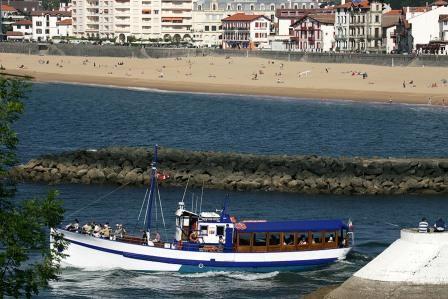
x,y
414,266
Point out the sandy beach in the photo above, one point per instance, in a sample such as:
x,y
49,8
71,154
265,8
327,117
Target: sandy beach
x,y
255,76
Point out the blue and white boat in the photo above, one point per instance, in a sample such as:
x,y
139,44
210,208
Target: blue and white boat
x,y
211,241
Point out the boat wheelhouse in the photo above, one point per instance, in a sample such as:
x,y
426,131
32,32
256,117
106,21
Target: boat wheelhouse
x,y
205,241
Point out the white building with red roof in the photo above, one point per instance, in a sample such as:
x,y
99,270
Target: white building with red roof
x,y
9,16
313,33
50,24
21,30
241,31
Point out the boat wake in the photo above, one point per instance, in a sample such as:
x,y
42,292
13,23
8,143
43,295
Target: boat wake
x,y
233,275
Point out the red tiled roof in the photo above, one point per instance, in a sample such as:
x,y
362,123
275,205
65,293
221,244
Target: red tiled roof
x,y
23,22
443,18
440,3
394,12
416,9
64,22
243,17
321,18
8,8
300,12
52,13
14,33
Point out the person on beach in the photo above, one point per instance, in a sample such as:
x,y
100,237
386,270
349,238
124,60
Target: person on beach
x,y
423,226
404,84
439,226
429,101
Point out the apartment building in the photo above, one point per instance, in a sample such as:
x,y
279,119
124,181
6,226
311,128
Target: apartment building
x,y
9,16
207,15
358,26
125,20
45,24
21,30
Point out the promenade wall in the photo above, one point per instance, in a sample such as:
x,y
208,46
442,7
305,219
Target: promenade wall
x,y
139,52
301,174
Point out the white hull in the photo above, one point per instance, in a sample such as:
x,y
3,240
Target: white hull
x,y
92,253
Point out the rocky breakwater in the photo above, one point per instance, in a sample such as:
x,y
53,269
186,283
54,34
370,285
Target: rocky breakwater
x,y
302,174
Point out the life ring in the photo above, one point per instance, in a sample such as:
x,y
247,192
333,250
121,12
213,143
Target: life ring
x,y
193,237
201,265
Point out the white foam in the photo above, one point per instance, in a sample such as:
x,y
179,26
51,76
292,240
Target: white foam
x,y
235,275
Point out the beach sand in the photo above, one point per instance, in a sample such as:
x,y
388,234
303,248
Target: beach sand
x,y
237,76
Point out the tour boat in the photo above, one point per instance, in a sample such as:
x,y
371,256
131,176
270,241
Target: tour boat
x,y
211,241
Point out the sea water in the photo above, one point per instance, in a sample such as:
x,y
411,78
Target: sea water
x,y
65,117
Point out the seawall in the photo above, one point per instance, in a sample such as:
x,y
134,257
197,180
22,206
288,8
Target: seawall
x,y
231,171
139,52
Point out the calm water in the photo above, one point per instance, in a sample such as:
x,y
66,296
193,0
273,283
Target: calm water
x,y
64,117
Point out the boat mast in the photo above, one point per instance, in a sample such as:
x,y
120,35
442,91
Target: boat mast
x,y
151,189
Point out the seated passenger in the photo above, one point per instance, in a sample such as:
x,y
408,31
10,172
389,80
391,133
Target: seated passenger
x,y
423,226
105,232
221,240
303,242
87,228
330,239
439,226
73,227
156,238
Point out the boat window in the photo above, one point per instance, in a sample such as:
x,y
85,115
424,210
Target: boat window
x,y
303,239
330,237
316,238
204,230
220,230
259,239
244,239
289,239
274,239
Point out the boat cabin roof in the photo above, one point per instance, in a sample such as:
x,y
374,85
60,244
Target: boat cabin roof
x,y
293,226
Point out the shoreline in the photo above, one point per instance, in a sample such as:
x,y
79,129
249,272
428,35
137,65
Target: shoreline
x,y
221,76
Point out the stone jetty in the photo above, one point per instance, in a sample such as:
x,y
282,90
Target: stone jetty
x,y
413,267
232,171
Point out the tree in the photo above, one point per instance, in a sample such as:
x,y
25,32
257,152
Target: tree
x,y
51,4
27,262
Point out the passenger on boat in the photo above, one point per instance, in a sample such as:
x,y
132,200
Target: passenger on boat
x,y
97,230
221,240
119,231
87,228
156,238
423,226
330,239
439,226
105,231
73,227
290,240
303,241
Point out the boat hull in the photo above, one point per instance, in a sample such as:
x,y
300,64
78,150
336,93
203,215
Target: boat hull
x,y
92,253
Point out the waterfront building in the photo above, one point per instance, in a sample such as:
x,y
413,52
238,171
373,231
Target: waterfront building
x,y
177,20
314,33
48,24
246,31
26,7
397,36
426,28
21,30
358,26
443,27
207,15
9,15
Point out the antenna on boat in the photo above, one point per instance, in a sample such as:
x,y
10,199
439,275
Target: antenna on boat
x,y
151,190
186,187
202,194
192,202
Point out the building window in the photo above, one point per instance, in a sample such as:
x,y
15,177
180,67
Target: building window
x,y
214,6
239,7
282,6
272,7
252,7
47,31
18,26
199,7
312,6
39,31
213,28
229,7
39,23
377,19
261,6
207,28
296,6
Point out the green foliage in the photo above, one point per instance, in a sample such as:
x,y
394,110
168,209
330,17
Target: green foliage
x,y
27,262
398,4
50,4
